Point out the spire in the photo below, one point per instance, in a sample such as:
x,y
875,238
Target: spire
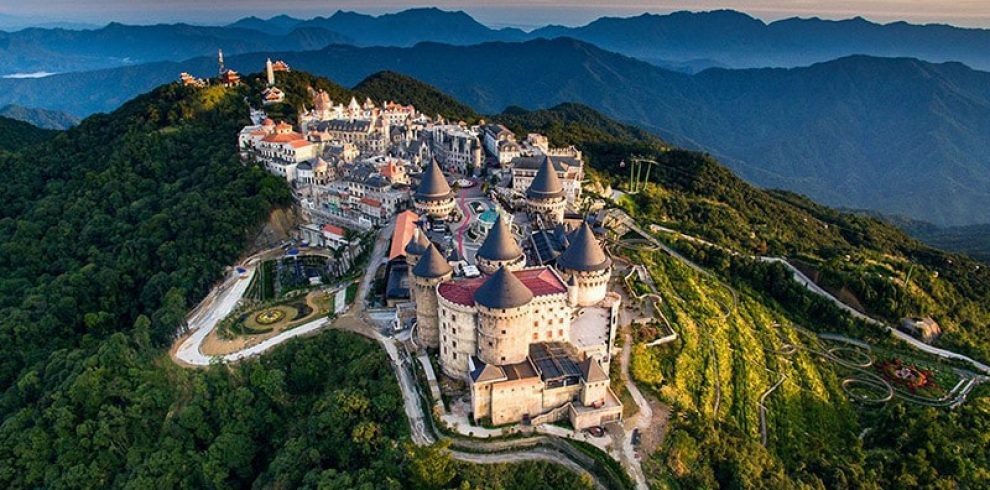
x,y
434,185
418,244
499,245
503,290
270,71
432,265
546,184
584,253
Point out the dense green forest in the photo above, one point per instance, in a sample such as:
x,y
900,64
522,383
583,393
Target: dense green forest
x,y
16,134
108,233
115,227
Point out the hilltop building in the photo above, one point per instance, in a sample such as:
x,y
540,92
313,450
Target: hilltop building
x,y
532,343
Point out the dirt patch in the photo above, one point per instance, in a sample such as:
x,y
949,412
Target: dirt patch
x,y
652,438
277,229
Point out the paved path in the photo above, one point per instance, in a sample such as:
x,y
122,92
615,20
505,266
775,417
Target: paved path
x,y
639,421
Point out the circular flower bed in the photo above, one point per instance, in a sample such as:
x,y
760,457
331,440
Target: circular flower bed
x,y
907,375
269,316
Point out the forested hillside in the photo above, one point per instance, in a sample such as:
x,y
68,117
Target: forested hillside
x,y
894,135
41,118
693,193
108,233
733,326
117,226
15,134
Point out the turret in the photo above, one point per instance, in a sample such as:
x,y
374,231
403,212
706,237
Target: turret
x,y
431,269
545,196
417,246
433,196
503,318
585,265
499,249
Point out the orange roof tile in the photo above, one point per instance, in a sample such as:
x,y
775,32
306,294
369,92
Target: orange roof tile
x,y
405,225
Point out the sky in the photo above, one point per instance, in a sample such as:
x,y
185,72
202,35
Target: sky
x,y
496,13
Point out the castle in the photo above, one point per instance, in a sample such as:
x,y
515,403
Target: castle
x,y
533,344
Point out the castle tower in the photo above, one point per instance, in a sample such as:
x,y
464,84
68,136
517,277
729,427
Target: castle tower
x,y
503,319
433,196
500,249
545,196
431,270
415,249
585,265
270,71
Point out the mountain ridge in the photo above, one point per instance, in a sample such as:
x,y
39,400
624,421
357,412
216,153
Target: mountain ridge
x,y
897,135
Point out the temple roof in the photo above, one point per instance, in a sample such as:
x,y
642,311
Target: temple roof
x,y
432,264
584,253
434,185
500,245
503,290
546,184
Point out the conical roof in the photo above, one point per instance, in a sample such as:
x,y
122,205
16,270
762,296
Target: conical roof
x,y
503,290
584,253
434,185
499,245
546,184
418,244
432,265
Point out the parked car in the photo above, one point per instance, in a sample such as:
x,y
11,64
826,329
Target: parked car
x,y
596,431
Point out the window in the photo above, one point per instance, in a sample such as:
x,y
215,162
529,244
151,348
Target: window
x,y
560,333
536,336
503,332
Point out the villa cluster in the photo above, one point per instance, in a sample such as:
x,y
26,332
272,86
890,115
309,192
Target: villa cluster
x,y
525,323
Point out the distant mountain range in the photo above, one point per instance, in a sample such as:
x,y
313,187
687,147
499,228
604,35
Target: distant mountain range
x,y
62,50
683,41
688,40
42,118
737,40
895,135
404,28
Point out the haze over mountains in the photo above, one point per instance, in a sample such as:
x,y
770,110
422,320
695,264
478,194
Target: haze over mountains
x,y
62,50
685,41
896,135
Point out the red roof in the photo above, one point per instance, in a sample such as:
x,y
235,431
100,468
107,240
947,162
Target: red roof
x,y
284,137
299,143
371,202
405,224
540,281
336,230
